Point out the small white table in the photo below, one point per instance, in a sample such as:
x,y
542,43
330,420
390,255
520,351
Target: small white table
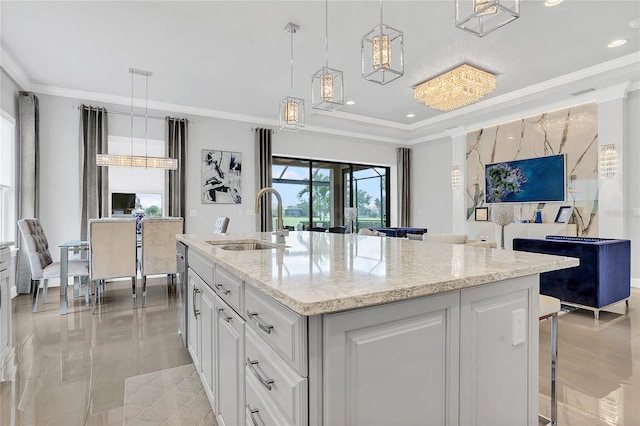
x,y
64,267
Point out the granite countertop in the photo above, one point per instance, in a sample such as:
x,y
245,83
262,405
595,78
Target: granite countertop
x,y
318,273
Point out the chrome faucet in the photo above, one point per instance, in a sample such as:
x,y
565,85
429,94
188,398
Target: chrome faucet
x,y
280,232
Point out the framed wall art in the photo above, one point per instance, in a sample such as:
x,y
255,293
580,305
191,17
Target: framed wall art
x,y
221,177
482,214
564,214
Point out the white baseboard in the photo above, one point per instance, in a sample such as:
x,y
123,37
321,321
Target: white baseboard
x,y
635,282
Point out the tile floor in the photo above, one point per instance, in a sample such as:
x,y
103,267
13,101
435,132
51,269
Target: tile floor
x,y
71,370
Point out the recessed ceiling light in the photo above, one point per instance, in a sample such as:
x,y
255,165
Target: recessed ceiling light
x,y
551,3
635,24
350,102
617,43
411,115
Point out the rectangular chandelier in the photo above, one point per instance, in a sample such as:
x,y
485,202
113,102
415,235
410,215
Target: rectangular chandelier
x,y
454,89
111,160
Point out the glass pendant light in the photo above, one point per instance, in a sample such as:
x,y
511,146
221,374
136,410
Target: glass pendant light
x,y
291,109
327,88
382,53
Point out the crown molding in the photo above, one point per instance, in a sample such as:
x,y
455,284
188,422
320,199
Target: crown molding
x,y
601,95
14,72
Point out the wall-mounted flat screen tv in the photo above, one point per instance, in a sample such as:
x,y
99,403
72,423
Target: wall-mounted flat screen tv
x,y
533,180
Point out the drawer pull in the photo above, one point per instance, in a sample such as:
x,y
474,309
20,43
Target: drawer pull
x,y
252,411
196,312
265,382
264,327
223,290
223,315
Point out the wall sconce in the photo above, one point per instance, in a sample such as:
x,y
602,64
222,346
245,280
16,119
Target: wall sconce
x,y
608,161
456,177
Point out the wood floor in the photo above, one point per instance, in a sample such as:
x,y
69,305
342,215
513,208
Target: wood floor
x,y
71,370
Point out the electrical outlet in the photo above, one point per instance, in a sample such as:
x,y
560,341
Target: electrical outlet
x,y
518,326
193,213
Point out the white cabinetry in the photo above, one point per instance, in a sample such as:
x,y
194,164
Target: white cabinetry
x,y
462,357
498,356
393,364
201,321
230,364
5,303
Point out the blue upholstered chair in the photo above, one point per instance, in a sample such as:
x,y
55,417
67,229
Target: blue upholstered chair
x,y
602,279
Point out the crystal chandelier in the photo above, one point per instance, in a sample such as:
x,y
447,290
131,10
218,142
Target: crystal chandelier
x,y
110,160
480,17
381,49
327,89
454,89
291,109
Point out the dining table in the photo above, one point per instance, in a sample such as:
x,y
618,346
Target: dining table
x,y
69,246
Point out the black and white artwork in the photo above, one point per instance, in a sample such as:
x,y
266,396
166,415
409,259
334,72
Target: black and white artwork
x,y
221,177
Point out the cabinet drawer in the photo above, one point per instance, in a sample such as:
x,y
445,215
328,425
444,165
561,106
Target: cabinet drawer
x,y
281,386
228,287
201,266
283,330
5,259
259,411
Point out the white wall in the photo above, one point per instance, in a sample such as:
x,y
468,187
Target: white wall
x,y
431,193
60,182
632,180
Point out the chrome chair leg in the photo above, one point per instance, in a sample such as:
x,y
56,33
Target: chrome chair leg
x,y
35,286
554,364
144,291
46,289
133,292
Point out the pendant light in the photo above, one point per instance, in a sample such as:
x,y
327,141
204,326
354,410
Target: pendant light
x,y
291,109
382,53
480,17
110,160
327,88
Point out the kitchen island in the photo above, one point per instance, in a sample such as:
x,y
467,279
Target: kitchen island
x,y
346,329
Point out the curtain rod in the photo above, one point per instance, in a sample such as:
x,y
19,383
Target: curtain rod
x,y
128,114
253,129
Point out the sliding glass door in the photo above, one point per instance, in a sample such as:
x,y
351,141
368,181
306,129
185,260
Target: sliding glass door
x,y
315,193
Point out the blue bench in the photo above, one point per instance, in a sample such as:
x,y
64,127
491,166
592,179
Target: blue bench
x,y
602,279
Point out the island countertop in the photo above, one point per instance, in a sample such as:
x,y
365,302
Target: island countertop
x,y
315,273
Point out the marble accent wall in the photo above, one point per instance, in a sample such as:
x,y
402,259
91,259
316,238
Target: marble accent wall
x,y
572,131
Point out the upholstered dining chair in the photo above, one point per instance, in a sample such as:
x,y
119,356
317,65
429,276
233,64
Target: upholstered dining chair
x,y
41,263
112,253
159,248
220,227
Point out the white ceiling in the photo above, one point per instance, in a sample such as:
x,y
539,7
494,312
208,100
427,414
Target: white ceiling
x,y
231,58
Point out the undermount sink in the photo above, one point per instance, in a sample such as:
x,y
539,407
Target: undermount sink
x,y
243,245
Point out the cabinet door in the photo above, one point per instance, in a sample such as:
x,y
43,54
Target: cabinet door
x,y
498,362
5,315
207,341
393,364
193,334
230,365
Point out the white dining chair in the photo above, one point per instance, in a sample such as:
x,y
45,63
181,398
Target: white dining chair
x,y
158,255
112,253
220,227
41,263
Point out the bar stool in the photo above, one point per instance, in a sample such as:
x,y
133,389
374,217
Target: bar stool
x,y
549,308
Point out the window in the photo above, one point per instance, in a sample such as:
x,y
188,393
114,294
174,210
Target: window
x,y
315,193
126,184
7,178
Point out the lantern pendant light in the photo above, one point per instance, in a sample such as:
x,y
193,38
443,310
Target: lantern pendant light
x,y
291,109
327,88
382,53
